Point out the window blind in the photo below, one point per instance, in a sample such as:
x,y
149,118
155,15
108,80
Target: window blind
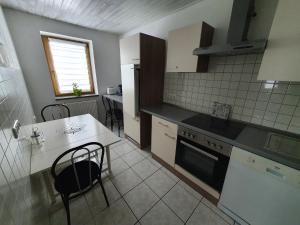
x,y
71,64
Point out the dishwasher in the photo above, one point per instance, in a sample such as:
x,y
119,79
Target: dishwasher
x,y
259,191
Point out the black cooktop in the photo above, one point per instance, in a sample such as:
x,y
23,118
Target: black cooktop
x,y
227,128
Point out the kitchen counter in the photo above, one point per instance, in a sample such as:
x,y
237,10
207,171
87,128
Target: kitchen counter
x,y
253,138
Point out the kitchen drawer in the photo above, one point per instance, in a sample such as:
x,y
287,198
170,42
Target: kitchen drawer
x,y
164,125
163,140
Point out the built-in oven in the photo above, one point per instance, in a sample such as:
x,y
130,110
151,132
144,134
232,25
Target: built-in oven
x,y
205,157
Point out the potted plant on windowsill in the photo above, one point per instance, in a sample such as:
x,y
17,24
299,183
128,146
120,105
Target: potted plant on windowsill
x,y
76,90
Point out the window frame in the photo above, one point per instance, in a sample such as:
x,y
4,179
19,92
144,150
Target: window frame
x,y
90,63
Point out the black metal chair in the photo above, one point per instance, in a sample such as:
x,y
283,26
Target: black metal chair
x,y
108,111
117,115
79,175
54,112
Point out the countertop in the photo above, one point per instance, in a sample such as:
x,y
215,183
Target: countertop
x,y
253,138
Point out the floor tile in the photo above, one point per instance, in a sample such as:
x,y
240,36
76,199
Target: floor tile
x,y
181,202
145,153
218,211
160,183
117,214
144,168
170,174
79,211
140,199
157,164
118,166
190,190
132,158
126,181
206,216
96,200
113,154
160,214
123,149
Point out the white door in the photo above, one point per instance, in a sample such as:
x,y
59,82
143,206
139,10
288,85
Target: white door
x,y
130,89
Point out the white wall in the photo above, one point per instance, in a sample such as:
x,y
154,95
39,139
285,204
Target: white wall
x,y
25,30
15,187
216,13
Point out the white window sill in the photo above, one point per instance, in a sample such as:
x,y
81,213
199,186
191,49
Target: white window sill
x,y
73,97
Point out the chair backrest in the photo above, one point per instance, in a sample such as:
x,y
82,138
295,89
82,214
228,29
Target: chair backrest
x,y
79,153
106,104
54,112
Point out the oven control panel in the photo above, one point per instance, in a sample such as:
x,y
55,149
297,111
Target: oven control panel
x,y
209,142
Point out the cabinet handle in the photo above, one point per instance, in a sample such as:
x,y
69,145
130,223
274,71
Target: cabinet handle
x,y
136,59
173,138
165,125
275,173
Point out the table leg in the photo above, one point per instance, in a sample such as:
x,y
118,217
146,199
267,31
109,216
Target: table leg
x,y
47,180
108,159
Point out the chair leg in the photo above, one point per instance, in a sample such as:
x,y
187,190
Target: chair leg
x,y
106,119
67,208
119,128
103,190
111,124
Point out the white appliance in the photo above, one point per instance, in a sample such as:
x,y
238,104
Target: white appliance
x,y
111,90
130,89
259,191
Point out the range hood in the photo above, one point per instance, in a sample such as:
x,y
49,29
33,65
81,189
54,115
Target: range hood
x,y
237,42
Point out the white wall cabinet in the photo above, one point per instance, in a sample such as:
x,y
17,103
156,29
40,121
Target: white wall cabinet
x,y
130,50
182,42
163,140
282,56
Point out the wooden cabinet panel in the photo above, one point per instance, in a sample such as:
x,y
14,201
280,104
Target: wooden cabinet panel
x,y
182,42
282,56
164,125
130,50
163,142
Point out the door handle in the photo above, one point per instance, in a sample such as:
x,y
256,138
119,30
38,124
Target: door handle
x,y
200,150
173,138
275,173
165,125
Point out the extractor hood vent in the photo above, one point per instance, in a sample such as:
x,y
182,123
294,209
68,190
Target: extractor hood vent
x,y
237,43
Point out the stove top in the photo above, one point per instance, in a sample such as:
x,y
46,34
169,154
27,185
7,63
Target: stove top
x,y
227,128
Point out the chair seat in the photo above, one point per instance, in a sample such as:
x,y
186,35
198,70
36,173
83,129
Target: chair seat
x,y
66,180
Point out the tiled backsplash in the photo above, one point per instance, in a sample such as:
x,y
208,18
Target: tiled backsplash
x,y
15,186
233,80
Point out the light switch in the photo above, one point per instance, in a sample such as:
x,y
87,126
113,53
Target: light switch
x,y
16,129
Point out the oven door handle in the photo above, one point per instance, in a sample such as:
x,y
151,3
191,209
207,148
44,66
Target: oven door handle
x,y
200,150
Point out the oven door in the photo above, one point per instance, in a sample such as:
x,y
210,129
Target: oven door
x,y
207,165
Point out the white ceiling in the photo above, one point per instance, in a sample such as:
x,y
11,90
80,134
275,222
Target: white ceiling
x,y
118,16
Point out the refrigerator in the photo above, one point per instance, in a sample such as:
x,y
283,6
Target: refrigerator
x,y
130,88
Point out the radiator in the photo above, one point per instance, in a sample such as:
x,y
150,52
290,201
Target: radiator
x,y
84,107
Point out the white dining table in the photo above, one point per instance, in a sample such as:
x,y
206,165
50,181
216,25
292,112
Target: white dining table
x,y
63,134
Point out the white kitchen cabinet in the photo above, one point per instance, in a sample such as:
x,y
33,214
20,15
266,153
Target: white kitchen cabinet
x,y
132,127
282,56
163,140
182,42
130,50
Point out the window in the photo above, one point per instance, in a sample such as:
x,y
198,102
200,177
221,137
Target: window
x,y
69,62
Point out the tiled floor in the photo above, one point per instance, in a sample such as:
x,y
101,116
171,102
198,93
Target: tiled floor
x,y
141,192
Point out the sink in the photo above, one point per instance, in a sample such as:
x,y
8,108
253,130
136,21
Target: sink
x,y
283,145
